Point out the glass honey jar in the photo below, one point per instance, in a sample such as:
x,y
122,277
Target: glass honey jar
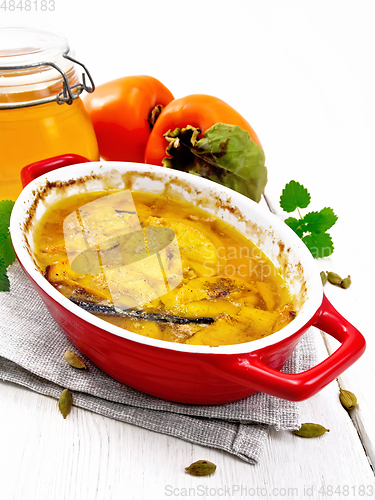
x,y
41,113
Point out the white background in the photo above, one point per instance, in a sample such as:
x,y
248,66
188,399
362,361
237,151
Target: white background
x,y
302,73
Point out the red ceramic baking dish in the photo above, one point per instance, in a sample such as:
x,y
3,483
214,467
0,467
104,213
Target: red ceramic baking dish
x,y
179,372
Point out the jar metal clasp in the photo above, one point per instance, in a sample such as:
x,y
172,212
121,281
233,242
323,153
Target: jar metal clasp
x,y
69,92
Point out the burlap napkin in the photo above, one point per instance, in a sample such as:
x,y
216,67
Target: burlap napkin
x,y
31,354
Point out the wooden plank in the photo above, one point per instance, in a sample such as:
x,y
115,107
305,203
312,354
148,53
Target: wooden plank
x,y
353,243
352,302
89,456
308,91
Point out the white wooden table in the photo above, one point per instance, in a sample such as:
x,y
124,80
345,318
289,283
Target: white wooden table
x,y
302,74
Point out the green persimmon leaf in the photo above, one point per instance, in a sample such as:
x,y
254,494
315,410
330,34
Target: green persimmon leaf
x,y
319,244
226,154
231,148
294,196
252,188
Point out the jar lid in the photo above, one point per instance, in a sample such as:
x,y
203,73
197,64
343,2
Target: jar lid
x,y
35,65
25,46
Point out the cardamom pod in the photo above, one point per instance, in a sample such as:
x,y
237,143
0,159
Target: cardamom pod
x,y
346,282
348,399
74,360
65,402
323,277
201,468
310,430
334,278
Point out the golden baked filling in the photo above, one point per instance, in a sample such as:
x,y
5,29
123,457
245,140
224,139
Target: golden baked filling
x,y
161,268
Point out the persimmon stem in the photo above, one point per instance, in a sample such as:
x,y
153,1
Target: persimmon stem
x,y
154,114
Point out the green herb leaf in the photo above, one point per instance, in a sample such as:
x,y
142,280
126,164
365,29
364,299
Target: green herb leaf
x,y
295,224
6,249
319,244
7,255
312,228
226,155
294,196
320,222
4,281
6,207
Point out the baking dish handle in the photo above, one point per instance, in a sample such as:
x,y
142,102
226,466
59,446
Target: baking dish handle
x,y
300,386
34,170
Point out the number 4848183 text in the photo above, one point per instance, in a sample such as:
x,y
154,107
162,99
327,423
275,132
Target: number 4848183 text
x,y
27,5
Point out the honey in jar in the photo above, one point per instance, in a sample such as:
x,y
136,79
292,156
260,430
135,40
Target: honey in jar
x,y
41,113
